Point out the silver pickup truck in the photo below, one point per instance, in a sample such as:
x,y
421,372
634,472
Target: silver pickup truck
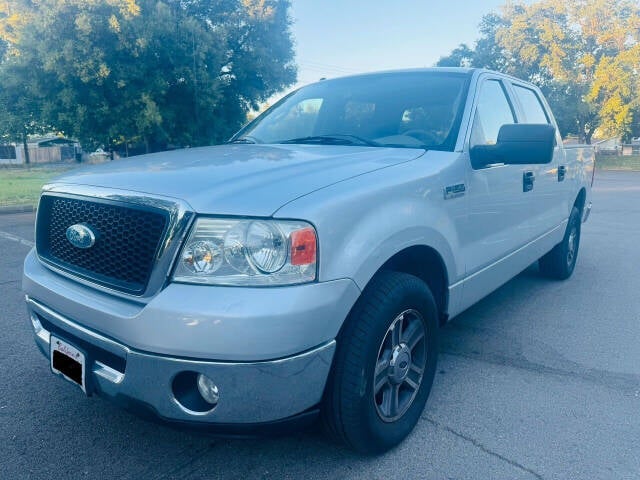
x,y
305,267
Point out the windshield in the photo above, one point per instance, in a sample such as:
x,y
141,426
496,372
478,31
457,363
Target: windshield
x,y
407,110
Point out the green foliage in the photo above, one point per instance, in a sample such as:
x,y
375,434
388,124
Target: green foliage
x,y
162,73
18,115
583,54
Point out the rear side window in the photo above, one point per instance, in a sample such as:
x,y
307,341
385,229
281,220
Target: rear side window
x,y
492,112
533,109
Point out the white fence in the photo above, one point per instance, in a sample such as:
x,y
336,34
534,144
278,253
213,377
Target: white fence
x,y
10,154
624,150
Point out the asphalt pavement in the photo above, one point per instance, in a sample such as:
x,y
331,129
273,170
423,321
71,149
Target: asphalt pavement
x,y
540,380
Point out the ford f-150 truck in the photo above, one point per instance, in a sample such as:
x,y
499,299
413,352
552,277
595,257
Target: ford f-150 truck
x,y
305,267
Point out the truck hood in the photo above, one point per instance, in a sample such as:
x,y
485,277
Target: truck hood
x,y
239,179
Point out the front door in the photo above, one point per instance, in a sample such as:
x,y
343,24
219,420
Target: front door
x,y
499,207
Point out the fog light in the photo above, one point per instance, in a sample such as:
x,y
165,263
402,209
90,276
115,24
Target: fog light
x,y
208,389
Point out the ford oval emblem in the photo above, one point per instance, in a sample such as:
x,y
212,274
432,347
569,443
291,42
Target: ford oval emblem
x,y
81,236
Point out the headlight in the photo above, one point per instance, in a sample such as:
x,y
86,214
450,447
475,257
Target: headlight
x,y
266,246
223,251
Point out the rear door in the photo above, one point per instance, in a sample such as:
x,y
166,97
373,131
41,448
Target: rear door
x,y
548,209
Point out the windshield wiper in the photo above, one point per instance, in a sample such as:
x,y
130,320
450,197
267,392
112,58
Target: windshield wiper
x,y
333,139
403,145
246,139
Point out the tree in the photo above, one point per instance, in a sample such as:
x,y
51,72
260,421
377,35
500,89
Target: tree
x,y
161,73
583,55
10,21
461,56
19,114
18,117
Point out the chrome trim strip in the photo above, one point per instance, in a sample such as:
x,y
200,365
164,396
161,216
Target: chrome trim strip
x,y
180,214
38,307
188,411
110,374
278,361
41,332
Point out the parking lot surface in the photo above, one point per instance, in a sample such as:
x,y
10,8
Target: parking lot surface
x,y
539,380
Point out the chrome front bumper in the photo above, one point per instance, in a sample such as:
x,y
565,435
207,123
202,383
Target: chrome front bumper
x,y
250,392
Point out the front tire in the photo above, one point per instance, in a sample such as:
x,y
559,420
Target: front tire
x,y
384,364
560,262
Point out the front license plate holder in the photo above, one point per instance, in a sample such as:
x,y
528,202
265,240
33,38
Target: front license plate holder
x,y
68,361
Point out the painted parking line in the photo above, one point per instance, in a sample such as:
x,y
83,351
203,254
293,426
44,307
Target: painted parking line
x,y
15,238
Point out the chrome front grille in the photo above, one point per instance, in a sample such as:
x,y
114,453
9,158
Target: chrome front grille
x,y
127,240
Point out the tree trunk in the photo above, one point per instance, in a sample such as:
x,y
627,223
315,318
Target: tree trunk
x,y
588,135
27,160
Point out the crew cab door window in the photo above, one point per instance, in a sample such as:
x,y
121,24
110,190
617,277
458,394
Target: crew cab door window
x,y
493,110
531,106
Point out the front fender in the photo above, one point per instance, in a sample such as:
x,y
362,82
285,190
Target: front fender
x,y
363,222
382,233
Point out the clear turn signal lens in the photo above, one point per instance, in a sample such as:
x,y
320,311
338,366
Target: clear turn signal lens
x,y
202,257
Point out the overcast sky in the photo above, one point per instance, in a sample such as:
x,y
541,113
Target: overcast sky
x,y
339,37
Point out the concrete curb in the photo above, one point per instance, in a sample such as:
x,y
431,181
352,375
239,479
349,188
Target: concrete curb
x,y
8,209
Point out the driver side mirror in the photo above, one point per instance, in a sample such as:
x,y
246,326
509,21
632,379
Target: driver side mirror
x,y
517,144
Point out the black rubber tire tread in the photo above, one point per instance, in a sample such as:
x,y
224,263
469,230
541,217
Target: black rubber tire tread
x,y
554,264
348,404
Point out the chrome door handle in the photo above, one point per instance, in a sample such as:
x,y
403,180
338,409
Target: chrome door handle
x,y
562,171
527,181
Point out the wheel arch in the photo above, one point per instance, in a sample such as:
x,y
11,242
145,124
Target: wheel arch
x,y
581,200
428,265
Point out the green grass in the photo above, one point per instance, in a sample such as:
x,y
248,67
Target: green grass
x,y
21,186
615,162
